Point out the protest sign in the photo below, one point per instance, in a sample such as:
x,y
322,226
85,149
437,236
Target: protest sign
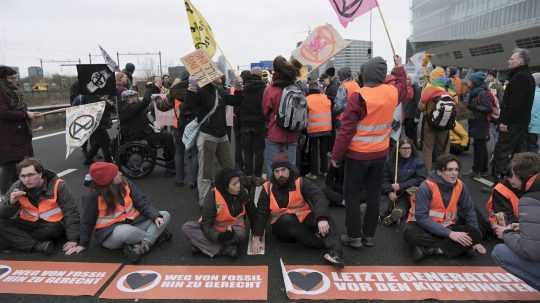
x,y
166,118
81,122
54,278
483,283
201,67
189,283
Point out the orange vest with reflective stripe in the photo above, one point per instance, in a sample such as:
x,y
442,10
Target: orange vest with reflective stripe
x,y
177,104
120,213
224,219
351,86
319,114
509,195
443,215
297,205
373,132
47,209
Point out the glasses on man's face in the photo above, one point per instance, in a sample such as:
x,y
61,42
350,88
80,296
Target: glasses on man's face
x,y
30,175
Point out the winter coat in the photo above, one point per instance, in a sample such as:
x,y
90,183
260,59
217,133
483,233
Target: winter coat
x,y
332,88
65,201
534,125
204,99
250,111
411,172
14,129
411,107
271,99
480,105
466,213
518,98
526,242
134,121
89,214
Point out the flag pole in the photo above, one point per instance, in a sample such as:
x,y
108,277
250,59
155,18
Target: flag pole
x,y
386,29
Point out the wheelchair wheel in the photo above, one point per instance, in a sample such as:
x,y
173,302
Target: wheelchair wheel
x,y
136,160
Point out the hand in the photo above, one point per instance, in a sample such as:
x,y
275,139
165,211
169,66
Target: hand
x,y
499,230
514,226
479,248
324,228
69,245
75,250
392,196
397,61
461,237
159,221
33,115
395,187
334,163
15,195
503,128
257,245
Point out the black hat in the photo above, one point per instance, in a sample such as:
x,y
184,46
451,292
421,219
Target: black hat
x,y
6,71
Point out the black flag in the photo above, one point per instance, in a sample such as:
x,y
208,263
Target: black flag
x,y
96,79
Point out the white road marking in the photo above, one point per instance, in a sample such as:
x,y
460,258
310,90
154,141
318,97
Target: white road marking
x,y
66,172
49,135
483,181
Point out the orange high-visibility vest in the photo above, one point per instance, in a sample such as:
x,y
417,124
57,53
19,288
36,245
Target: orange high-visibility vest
x,y
120,213
177,104
224,219
297,205
351,86
509,195
443,215
47,209
373,132
319,114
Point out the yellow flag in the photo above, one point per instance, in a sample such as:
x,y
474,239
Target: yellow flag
x,y
201,32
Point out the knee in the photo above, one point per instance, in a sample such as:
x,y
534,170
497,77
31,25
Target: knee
x,y
500,253
166,216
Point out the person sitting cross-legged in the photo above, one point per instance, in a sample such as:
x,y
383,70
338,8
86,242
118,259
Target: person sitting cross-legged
x,y
442,219
298,212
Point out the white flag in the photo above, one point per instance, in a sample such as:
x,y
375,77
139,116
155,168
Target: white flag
x,y
81,122
397,118
108,60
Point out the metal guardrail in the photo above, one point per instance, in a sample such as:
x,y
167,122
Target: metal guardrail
x,y
48,107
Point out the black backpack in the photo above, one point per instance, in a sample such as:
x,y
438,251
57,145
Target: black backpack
x,y
292,111
443,115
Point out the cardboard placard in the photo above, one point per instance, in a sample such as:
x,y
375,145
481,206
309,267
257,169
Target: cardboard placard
x,y
189,283
54,278
201,67
484,283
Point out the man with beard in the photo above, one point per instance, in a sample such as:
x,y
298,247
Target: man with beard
x,y
298,211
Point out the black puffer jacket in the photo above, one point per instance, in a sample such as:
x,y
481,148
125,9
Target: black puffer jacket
x,y
250,110
204,99
518,98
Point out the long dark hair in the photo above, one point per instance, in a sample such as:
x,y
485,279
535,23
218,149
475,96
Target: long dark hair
x,y
112,194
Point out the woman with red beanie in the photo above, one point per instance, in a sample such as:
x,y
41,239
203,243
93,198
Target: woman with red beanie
x,y
120,215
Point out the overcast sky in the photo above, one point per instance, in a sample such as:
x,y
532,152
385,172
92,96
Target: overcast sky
x,y
247,30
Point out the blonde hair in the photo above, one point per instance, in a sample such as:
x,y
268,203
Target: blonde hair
x,y
119,76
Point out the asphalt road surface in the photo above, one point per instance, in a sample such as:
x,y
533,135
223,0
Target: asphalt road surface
x,y
390,248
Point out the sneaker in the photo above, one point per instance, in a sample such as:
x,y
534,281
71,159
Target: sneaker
x,y
230,251
134,252
351,242
368,241
195,250
334,259
165,236
45,247
418,254
311,176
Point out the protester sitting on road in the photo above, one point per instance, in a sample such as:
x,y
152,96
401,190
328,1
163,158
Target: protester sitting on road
x,y
221,230
37,211
15,128
502,208
298,212
442,219
120,215
411,172
520,253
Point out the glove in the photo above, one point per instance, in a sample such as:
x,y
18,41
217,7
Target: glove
x,y
226,236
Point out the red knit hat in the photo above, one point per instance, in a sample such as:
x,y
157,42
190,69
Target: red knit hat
x,y
280,160
103,173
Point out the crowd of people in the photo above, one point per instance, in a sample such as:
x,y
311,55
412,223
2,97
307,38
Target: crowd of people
x,y
269,141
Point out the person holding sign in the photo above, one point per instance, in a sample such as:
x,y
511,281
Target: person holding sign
x,y
37,210
442,219
298,212
120,215
221,229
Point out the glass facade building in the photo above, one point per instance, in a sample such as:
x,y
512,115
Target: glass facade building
x,y
356,54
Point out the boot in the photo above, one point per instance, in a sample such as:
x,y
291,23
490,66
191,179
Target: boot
x,y
45,247
351,242
334,259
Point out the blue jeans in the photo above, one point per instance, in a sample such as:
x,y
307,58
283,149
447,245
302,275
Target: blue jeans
x,y
527,271
272,148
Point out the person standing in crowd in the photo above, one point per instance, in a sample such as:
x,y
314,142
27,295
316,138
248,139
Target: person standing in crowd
x,y
278,140
222,228
119,215
177,97
534,125
252,125
38,210
479,103
333,84
515,112
497,90
453,75
494,85
410,108
346,89
520,253
212,141
435,142
411,172
363,141
129,70
442,219
122,82
15,128
100,138
319,130
298,212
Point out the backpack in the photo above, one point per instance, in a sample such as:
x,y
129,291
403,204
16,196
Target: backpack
x,y
443,115
292,113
